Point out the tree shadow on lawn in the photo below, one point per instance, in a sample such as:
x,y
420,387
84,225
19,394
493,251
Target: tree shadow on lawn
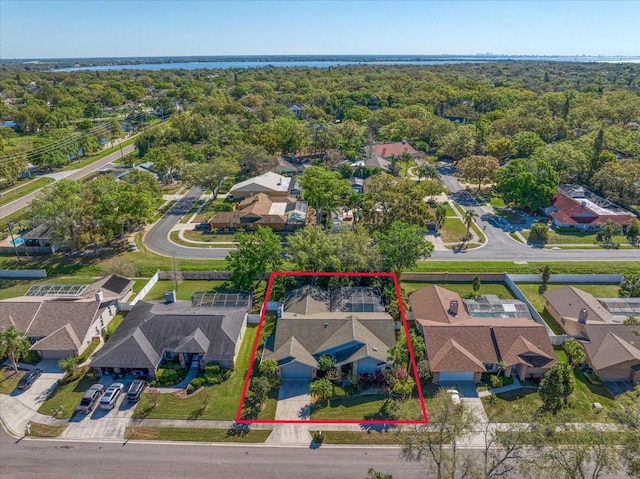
x,y
238,430
596,389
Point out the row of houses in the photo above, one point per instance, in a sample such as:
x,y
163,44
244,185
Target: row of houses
x,y
464,339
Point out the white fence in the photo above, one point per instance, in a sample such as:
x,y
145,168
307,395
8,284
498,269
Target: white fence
x,y
124,306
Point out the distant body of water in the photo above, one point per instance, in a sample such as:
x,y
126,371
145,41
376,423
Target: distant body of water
x,y
219,65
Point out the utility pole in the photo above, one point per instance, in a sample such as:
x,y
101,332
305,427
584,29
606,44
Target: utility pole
x,y
13,241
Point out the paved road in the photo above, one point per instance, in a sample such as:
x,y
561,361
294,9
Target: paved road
x,y
69,460
501,247
20,203
157,239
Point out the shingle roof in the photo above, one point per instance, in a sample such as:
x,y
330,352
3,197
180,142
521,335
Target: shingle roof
x,y
612,344
568,301
310,300
54,314
386,150
527,345
267,182
18,314
433,304
152,327
459,348
64,338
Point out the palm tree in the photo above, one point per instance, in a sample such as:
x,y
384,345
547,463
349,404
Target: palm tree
x,y
468,217
441,215
321,389
426,170
14,344
69,365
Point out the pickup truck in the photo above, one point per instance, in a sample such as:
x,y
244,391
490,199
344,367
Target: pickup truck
x,y
90,398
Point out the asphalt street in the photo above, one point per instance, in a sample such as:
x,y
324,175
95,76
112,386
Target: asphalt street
x,y
157,238
52,459
20,203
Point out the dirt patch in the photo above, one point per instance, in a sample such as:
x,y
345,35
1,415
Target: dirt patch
x,y
9,373
181,394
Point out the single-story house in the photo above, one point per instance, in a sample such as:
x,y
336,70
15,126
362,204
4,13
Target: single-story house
x,y
281,213
61,320
397,149
269,183
348,324
576,207
464,339
613,351
193,332
286,168
572,308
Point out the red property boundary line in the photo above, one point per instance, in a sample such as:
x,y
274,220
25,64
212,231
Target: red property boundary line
x,y
412,359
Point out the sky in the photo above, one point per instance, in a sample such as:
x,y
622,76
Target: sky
x,y
128,28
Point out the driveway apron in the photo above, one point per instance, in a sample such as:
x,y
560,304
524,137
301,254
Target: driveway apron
x,y
294,403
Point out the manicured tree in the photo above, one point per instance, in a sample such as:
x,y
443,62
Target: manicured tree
x,y
268,368
14,344
321,389
441,215
633,231
575,352
556,386
546,275
260,387
608,232
539,233
69,365
475,284
468,217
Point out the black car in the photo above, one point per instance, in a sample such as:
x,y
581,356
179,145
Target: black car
x,y
27,380
135,390
202,227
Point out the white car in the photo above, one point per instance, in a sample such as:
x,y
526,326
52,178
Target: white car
x,y
111,395
455,396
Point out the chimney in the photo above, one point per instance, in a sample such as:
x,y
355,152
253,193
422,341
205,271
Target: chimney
x,y
453,308
582,317
384,152
170,296
99,296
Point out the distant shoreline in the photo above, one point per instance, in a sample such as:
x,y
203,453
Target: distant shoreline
x,y
252,61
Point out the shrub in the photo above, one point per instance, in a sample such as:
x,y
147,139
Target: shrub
x,y
216,379
190,388
495,381
212,369
338,392
167,376
196,383
539,233
226,374
506,381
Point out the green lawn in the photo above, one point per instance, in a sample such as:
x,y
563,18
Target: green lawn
x,y
568,237
523,403
196,434
29,187
449,210
511,216
175,237
207,237
534,292
68,396
362,437
460,288
43,430
531,267
366,406
224,398
115,322
185,289
9,379
453,230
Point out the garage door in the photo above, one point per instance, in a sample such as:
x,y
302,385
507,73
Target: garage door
x,y
56,354
456,376
295,371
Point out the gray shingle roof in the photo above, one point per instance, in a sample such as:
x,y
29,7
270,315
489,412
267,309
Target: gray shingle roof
x,y
152,327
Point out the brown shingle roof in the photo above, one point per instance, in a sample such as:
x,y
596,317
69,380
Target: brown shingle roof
x,y
524,344
459,348
432,304
612,344
568,301
64,338
18,314
386,150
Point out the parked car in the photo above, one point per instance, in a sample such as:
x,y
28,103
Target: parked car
x,y
202,227
455,396
90,398
111,395
135,390
27,380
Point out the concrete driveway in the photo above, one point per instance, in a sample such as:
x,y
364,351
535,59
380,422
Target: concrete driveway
x,y
42,387
294,404
101,423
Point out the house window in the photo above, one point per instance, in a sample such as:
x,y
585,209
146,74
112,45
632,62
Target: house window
x,y
489,366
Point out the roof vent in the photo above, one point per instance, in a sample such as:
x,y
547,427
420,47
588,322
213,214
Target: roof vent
x,y
453,307
582,317
99,296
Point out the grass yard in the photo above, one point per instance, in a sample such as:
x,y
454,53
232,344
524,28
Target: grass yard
x,y
461,288
570,237
362,437
449,211
9,379
115,322
453,230
196,434
511,216
43,430
366,406
223,398
186,288
207,237
566,267
68,396
534,292
175,237
25,189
